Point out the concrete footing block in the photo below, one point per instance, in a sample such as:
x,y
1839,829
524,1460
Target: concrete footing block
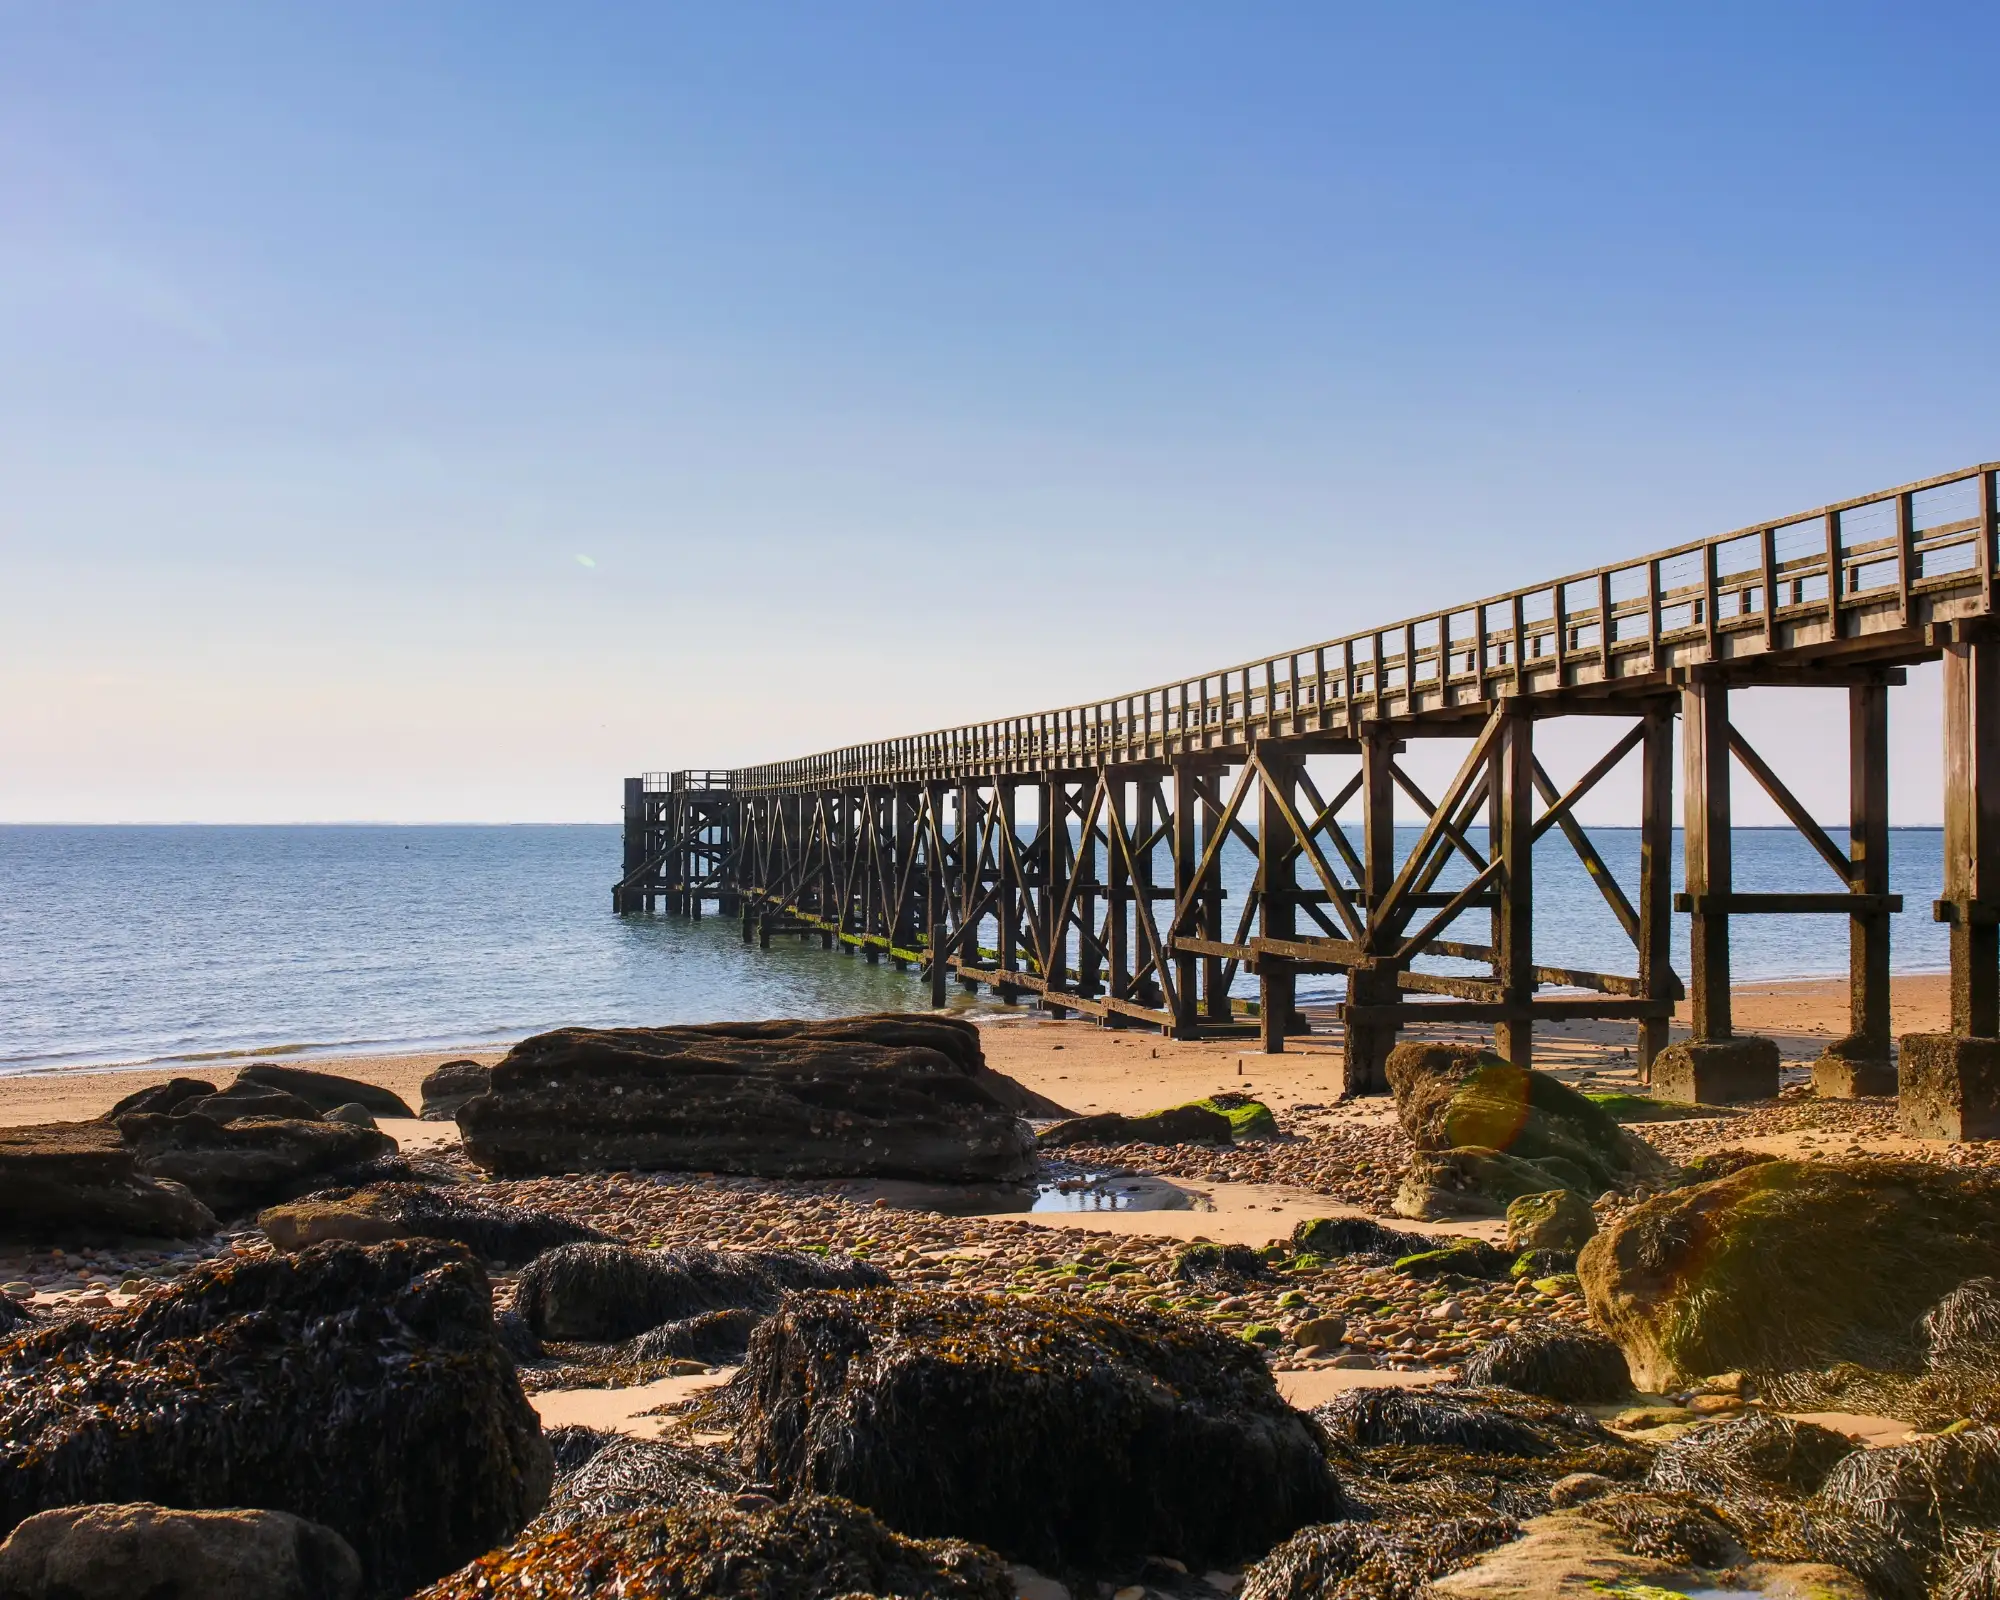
x,y
1853,1067
1948,1086
1715,1072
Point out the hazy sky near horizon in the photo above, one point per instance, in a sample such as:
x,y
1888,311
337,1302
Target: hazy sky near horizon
x,y
438,411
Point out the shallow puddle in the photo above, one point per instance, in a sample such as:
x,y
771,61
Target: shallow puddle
x,y
1118,1191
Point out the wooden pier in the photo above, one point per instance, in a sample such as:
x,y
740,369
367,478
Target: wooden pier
x,y
1113,906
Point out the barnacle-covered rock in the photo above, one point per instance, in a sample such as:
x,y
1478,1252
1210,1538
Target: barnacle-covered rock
x,y
613,1291
819,1101
508,1235
1065,1437
238,1166
814,1548
357,1387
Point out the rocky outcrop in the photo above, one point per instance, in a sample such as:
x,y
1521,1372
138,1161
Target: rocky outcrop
x,y
1178,1125
807,1104
1456,1097
1066,1437
76,1182
242,1100
163,1099
239,1166
812,1548
358,1388
1561,1219
450,1086
1789,1264
1477,1182
325,1090
147,1552
603,1292
505,1235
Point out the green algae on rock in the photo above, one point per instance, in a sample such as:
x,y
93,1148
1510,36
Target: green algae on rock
x,y
1789,1264
1559,1219
361,1388
1071,1438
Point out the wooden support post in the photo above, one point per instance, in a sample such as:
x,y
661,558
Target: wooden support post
x,y
1868,849
1011,888
1089,961
1117,904
1971,901
622,897
1513,787
1705,756
1144,789
1187,856
1277,872
1371,984
1656,881
936,904
1055,881
971,879
1215,995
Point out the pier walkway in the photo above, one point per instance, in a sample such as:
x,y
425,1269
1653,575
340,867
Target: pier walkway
x,y
1108,900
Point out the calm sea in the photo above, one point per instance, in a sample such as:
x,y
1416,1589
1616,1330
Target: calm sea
x,y
185,944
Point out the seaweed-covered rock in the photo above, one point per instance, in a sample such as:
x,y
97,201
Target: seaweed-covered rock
x,y
1202,1262
147,1552
508,1235
1373,1561
1473,1420
813,1548
450,1086
1668,1527
1477,1182
1575,1367
1176,1125
325,1090
613,1291
238,1166
1333,1237
1456,1258
1249,1117
1456,1097
162,1099
1561,1219
1974,1577
1756,1453
76,1182
1789,1264
1063,1436
359,1388
625,1474
1922,1495
809,1104
1715,1164
711,1336
1534,1264
1965,1324
572,1444
15,1314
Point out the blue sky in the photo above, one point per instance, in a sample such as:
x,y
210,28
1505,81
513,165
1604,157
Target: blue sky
x,y
899,365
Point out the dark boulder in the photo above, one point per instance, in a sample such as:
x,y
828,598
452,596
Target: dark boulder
x,y
1178,1125
814,1548
1575,1367
242,1100
1335,1237
358,1388
450,1086
503,1234
1202,1262
162,1099
586,1099
1456,1258
15,1314
239,1166
147,1552
325,1090
1454,1097
1070,1438
76,1182
605,1292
